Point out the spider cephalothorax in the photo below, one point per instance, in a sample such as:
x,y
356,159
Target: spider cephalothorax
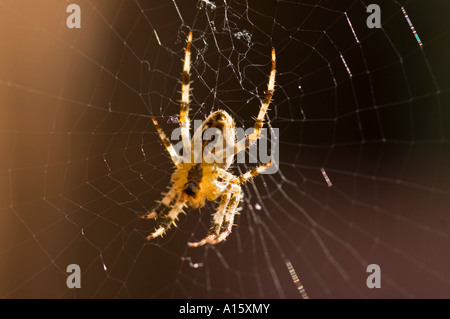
x,y
194,182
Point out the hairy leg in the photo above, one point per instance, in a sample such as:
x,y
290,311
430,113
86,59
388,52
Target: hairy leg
x,y
217,221
252,138
252,173
162,205
185,92
228,222
170,149
169,220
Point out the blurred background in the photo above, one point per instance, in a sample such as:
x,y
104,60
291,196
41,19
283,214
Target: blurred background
x,y
79,156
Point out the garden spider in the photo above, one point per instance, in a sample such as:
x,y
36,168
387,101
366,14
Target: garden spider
x,y
194,183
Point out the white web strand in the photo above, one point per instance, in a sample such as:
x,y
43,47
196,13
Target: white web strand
x,y
296,280
413,30
351,27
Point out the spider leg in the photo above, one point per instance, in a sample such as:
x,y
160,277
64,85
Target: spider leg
x,y
223,219
252,138
185,91
251,173
162,206
229,217
173,154
227,176
217,221
169,220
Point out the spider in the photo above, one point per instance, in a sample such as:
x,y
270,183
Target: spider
x,y
195,183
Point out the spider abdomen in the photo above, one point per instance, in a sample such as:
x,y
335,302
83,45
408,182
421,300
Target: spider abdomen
x,y
194,178
191,188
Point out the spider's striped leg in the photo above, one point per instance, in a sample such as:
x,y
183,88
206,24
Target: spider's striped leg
x,y
229,217
252,138
173,154
168,220
251,173
162,205
185,91
225,175
217,221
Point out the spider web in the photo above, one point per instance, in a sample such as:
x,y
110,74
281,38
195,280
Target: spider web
x,y
363,134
